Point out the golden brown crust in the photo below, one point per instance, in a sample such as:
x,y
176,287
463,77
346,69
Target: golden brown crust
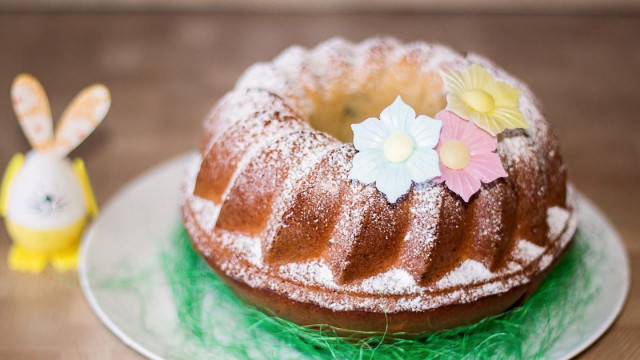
x,y
273,212
412,322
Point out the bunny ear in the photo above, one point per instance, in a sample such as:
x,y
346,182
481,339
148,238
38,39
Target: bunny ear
x,y
33,111
81,117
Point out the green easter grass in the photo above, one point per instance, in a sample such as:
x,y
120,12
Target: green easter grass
x,y
526,332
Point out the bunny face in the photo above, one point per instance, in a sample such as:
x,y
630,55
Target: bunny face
x,y
46,194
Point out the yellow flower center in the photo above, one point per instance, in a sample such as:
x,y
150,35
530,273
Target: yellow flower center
x,y
479,100
455,155
398,147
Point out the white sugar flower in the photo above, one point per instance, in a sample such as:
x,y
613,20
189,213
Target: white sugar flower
x,y
396,149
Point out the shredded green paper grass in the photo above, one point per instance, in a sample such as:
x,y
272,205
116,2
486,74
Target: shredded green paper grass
x,y
223,326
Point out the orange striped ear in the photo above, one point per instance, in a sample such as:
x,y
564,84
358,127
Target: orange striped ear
x,y
81,117
32,108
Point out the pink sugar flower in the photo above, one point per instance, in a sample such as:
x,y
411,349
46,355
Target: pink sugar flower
x,y
467,155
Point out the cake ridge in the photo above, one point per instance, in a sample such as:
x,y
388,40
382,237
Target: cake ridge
x,y
295,176
223,159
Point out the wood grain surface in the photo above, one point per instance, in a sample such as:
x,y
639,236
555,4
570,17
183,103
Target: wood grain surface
x,y
166,71
331,6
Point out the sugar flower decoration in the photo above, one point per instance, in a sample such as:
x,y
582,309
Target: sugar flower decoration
x,y
474,95
395,150
467,155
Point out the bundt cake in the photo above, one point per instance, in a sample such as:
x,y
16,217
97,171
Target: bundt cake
x,y
271,207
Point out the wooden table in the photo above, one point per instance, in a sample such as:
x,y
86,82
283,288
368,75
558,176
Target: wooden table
x,y
165,71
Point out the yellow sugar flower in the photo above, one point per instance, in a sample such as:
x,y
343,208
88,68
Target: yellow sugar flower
x,y
474,95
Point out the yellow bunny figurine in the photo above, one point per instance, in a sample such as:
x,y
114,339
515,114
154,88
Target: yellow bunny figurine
x,y
45,198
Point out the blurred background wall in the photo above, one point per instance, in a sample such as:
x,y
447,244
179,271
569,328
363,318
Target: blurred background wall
x,y
442,6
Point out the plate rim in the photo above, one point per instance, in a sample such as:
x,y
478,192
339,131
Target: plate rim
x,y
183,159
87,239
584,201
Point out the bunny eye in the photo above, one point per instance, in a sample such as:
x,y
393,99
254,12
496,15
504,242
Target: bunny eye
x,y
48,203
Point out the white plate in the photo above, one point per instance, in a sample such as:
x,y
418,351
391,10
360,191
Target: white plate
x,y
127,236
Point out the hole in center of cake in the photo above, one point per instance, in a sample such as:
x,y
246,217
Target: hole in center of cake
x,y
335,112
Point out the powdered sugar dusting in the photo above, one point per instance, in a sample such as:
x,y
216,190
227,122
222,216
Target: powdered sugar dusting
x,y
267,93
331,63
259,132
422,231
248,247
394,281
516,149
310,273
545,261
557,220
191,171
274,77
527,251
310,150
469,272
205,211
241,105
427,201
